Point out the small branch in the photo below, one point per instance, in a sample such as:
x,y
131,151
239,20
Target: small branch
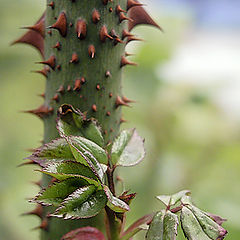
x,y
110,172
113,226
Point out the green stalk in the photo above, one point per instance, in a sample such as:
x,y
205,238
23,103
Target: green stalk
x,y
102,74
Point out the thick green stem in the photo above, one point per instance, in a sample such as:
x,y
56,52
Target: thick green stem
x,y
92,83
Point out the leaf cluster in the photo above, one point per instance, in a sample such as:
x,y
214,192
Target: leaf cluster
x,y
195,223
79,161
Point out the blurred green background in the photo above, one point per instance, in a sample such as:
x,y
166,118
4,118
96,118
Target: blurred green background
x,y
191,142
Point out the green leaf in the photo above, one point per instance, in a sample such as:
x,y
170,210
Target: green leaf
x,y
170,224
85,157
165,199
191,227
210,227
72,122
163,226
57,150
115,203
83,203
87,145
170,200
155,231
57,192
70,169
128,149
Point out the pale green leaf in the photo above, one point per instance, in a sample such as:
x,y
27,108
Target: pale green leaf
x,y
191,227
170,224
210,227
170,200
115,203
127,149
165,199
155,231
163,226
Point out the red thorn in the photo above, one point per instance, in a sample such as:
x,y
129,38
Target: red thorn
x,y
119,102
119,9
94,108
126,100
57,46
51,4
127,198
98,87
105,2
125,34
42,111
70,24
83,80
51,62
122,120
91,51
61,89
30,162
110,9
125,62
69,88
59,67
132,3
31,149
49,32
108,114
128,54
42,95
96,16
74,58
38,183
53,180
110,94
105,132
77,85
81,29
33,38
38,211
44,71
104,34
118,40
43,225
61,24
114,34
140,16
122,17
39,27
132,38
108,74
56,98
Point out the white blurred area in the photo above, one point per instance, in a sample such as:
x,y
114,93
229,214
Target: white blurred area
x,y
208,55
210,60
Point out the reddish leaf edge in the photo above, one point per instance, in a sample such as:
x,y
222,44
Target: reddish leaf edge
x,y
85,233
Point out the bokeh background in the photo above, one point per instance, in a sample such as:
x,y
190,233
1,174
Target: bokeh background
x,y
188,109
